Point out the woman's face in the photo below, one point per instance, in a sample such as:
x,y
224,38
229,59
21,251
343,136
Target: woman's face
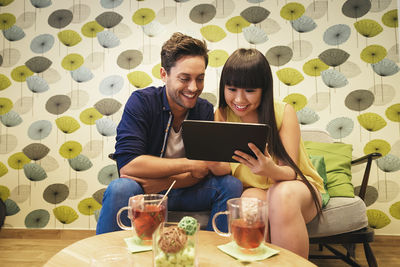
x,y
243,102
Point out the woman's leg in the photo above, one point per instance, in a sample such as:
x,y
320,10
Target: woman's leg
x,y
256,193
291,207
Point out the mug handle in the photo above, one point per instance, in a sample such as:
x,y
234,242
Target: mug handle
x,y
214,225
119,222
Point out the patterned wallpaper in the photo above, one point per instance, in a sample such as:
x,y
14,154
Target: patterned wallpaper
x,y
68,67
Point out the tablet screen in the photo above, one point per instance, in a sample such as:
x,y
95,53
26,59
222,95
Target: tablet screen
x,y
216,141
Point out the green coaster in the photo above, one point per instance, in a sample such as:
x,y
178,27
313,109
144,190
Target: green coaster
x,y
233,250
135,245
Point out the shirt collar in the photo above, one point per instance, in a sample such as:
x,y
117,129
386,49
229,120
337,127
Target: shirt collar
x,y
165,104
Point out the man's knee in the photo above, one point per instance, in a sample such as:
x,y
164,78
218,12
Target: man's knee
x,y
123,187
231,184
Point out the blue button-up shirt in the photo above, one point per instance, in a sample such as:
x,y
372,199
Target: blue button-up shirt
x,y
146,122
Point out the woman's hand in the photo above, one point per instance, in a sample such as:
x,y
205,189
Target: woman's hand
x,y
261,165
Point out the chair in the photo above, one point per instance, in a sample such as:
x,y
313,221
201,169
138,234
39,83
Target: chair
x,y
344,219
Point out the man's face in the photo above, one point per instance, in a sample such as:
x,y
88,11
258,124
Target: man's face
x,y
185,82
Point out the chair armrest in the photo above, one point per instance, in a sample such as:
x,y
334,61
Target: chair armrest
x,y
111,156
368,159
365,158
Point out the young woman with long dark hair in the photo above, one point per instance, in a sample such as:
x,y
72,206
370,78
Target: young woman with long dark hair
x,y
282,174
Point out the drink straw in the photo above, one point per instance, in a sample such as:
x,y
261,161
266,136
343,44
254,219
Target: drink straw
x,y
166,193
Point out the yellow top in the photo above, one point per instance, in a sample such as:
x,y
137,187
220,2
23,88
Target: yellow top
x,y
249,179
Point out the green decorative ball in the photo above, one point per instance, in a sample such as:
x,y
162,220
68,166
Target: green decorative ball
x,y
189,224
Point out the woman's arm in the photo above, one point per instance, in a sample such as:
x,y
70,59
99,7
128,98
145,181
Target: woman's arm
x,y
290,133
264,165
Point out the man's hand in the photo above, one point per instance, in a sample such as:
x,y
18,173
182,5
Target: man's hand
x,y
199,169
151,186
219,168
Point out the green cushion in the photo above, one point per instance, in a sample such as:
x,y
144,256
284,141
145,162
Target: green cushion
x,y
319,163
337,158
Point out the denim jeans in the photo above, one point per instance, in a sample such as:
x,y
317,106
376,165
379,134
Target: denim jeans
x,y
210,193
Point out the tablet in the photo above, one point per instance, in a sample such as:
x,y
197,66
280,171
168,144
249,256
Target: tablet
x,y
216,141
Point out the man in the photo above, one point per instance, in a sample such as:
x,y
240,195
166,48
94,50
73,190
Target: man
x,y
149,150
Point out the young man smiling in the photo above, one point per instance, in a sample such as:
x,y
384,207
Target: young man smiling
x,y
149,149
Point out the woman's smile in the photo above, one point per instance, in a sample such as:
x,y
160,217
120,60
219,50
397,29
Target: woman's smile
x,y
240,107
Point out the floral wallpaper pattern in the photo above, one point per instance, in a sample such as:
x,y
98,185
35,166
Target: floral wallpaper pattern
x,y
68,67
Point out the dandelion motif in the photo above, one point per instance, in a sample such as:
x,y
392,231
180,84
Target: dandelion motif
x,y
371,122
307,116
388,163
255,14
314,67
90,30
81,74
65,214
37,84
4,82
38,64
42,43
36,151
340,127
108,39
213,33
89,117
236,25
38,218
111,85
39,129
391,19
337,34
377,146
202,13
109,19
107,106
17,162
255,35
87,207
393,113
60,18
107,174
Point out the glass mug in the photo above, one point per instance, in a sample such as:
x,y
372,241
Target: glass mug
x,y
247,222
146,212
174,248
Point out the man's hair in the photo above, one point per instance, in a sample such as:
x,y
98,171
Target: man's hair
x,y
180,45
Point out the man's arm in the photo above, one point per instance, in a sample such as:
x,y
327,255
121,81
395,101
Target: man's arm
x,y
146,166
155,185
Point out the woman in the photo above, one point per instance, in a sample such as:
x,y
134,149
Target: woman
x,y
292,192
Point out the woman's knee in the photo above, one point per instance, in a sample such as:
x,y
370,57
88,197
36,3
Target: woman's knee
x,y
256,193
282,198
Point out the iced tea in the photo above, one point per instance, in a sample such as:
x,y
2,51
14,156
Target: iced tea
x,y
147,220
248,235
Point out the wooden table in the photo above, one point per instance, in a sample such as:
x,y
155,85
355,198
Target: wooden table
x,y
81,252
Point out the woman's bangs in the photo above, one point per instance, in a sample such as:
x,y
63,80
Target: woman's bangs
x,y
244,77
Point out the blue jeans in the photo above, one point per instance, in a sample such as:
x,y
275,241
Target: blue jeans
x,y
210,193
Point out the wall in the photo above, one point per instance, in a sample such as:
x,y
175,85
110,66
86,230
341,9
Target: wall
x,y
56,136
